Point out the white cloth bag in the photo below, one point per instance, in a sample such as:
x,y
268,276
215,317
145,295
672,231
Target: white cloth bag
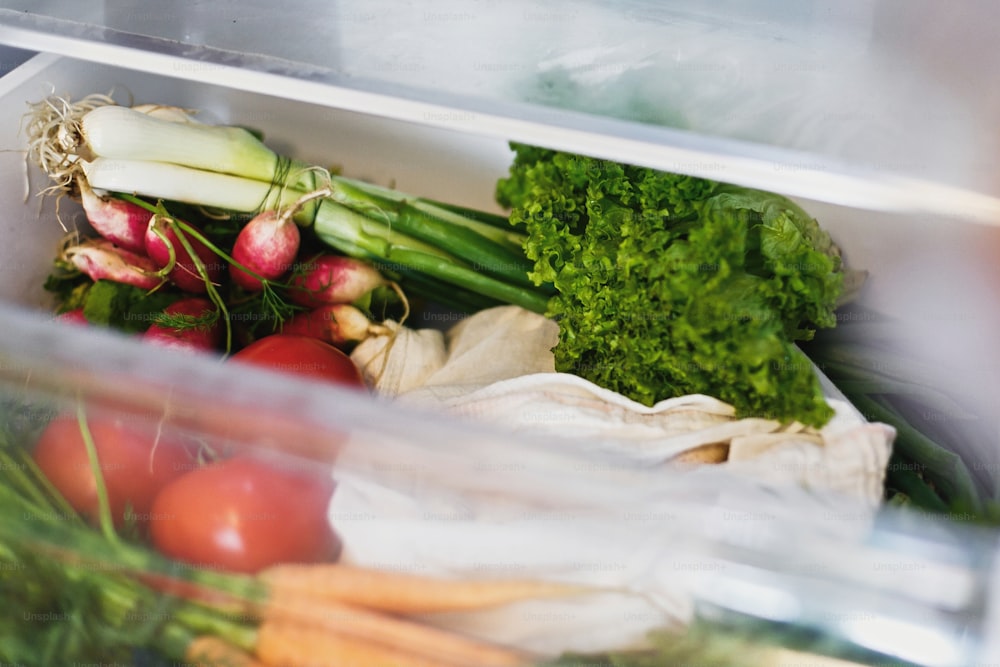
x,y
497,366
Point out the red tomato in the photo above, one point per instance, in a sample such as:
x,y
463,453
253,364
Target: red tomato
x,y
246,513
302,355
135,464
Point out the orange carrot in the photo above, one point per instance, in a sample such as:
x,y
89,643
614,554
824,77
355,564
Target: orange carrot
x,y
434,644
292,645
208,651
405,593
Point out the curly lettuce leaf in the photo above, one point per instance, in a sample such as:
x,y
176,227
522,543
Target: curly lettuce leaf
x,y
670,284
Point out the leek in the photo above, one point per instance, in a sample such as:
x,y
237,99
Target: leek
x,y
120,132
432,249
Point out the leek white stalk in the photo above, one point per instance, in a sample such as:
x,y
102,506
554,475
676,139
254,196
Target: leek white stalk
x,y
163,180
123,133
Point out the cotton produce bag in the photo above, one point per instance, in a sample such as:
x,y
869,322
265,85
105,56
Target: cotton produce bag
x,y
497,367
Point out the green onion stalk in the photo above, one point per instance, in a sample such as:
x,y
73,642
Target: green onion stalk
x,y
433,249
862,358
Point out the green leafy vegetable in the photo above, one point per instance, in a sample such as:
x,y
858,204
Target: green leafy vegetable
x,y
68,287
670,285
124,307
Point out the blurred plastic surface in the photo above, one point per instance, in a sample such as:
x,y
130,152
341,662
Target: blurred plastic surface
x,y
843,102
864,588
830,563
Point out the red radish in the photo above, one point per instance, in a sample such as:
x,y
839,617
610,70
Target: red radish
x,y
338,324
101,259
329,279
121,222
161,237
74,316
267,245
197,335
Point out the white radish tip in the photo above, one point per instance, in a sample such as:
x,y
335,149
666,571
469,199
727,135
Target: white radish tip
x,y
100,259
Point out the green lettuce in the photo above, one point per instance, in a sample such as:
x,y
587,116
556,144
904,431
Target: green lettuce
x,y
669,285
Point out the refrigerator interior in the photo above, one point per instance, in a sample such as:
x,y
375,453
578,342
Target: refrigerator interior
x,y
878,117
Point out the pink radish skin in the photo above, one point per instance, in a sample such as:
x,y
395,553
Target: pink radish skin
x,y
101,259
184,274
267,245
189,338
121,222
74,316
338,324
333,279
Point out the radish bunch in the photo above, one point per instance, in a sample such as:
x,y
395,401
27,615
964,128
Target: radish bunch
x,y
214,275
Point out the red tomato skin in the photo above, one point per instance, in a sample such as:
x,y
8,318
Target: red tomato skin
x,y
134,463
244,514
302,355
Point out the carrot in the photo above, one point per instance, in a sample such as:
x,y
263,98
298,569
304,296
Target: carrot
x,y
446,648
208,651
292,645
405,593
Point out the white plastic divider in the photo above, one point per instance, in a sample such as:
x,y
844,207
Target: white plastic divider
x,y
753,165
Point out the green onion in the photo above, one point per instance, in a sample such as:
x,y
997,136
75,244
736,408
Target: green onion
x,y
349,231
122,150
122,133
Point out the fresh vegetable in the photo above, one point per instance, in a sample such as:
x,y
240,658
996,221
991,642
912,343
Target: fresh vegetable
x,y
121,222
332,279
400,593
188,323
670,285
74,316
133,463
124,150
124,307
302,355
292,645
442,646
211,651
244,514
189,262
663,284
267,246
104,582
100,259
338,324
